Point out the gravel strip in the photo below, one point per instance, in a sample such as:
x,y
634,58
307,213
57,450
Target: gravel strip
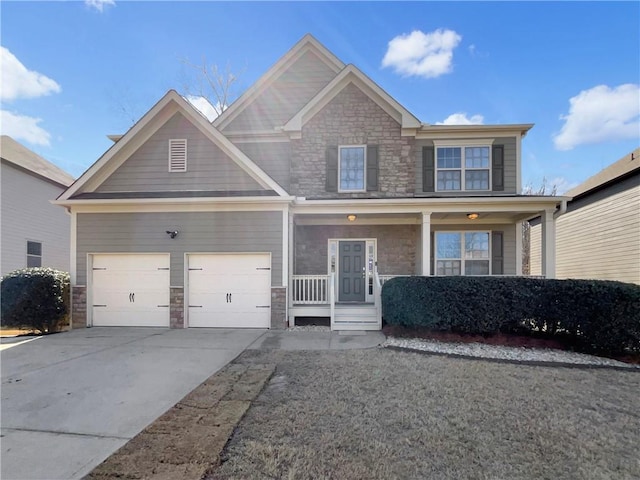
x,y
309,328
518,354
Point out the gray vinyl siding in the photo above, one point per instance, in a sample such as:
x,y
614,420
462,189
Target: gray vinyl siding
x,y
27,214
510,169
199,232
272,157
288,94
508,239
208,167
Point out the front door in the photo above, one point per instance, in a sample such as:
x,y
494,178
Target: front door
x,y
352,271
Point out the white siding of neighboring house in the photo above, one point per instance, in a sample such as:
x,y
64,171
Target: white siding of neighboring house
x,y
600,240
27,214
535,250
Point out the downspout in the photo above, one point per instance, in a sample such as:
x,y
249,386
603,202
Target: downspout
x,y
562,210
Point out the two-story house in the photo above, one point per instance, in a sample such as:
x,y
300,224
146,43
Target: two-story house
x,y
300,200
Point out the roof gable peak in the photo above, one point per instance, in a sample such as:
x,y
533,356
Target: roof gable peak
x,y
308,43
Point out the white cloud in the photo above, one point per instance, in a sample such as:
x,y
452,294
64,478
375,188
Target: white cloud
x,y
561,184
22,127
427,55
20,82
601,114
461,118
99,4
203,106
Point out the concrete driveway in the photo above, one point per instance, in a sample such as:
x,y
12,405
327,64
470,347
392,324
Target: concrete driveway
x,y
70,400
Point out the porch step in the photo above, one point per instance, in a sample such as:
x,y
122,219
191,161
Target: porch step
x,y
357,317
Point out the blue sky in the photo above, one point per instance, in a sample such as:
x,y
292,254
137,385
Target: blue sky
x,y
73,72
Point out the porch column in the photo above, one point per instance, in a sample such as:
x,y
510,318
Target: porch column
x,y
290,257
426,244
548,244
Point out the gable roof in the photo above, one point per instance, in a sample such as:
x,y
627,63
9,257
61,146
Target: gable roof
x,y
305,44
351,74
625,165
166,107
19,155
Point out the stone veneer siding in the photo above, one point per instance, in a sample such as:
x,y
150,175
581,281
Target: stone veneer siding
x,y
176,307
278,307
78,307
397,246
352,118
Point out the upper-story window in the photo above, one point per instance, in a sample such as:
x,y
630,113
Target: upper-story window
x,y
178,155
463,168
352,168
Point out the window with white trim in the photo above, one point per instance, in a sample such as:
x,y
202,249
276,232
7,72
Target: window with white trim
x,y
34,254
177,155
352,168
462,253
463,168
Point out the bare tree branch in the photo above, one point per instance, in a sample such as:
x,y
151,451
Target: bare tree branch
x,y
211,82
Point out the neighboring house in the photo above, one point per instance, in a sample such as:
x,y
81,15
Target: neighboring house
x,y
34,233
599,235
300,200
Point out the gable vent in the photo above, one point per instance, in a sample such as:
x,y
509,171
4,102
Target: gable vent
x,y
178,155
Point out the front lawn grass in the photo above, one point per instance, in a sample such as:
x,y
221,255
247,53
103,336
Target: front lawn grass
x,y
383,414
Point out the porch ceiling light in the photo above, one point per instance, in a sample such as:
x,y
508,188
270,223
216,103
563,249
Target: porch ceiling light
x,y
351,217
472,216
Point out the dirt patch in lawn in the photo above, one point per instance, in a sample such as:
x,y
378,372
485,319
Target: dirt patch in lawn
x,y
188,439
382,414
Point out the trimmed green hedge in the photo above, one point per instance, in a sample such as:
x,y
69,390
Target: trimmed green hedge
x,y
35,298
593,315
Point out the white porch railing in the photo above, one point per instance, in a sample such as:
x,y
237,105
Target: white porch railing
x,y
310,289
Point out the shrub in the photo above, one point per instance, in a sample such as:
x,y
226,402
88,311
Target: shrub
x,y
593,315
36,298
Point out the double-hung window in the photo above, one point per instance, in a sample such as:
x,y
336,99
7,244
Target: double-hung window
x,y
462,253
352,168
460,168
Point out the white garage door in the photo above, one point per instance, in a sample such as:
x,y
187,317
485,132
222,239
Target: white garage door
x,y
130,290
230,291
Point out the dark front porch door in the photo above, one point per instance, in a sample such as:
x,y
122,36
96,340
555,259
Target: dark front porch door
x,y
352,271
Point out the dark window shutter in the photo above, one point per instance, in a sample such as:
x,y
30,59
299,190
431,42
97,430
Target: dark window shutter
x,y
372,168
332,169
497,253
428,169
498,168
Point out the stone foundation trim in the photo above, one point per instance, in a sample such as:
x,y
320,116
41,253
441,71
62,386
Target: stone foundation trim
x,y
278,308
176,307
78,306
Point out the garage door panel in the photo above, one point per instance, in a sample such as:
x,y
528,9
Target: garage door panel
x,y
130,290
229,290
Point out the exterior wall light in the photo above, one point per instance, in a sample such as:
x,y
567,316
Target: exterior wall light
x,y
352,217
472,216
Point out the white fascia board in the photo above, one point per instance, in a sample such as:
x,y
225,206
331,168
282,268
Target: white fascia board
x,y
170,104
441,132
230,149
458,204
119,146
351,74
307,43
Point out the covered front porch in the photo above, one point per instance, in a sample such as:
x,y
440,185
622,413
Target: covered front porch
x,y
339,260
